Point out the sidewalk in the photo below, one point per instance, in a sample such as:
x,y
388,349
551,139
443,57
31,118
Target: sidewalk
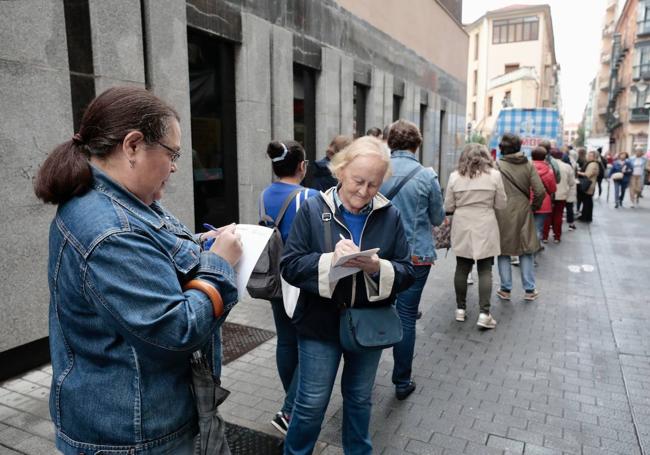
x,y
568,373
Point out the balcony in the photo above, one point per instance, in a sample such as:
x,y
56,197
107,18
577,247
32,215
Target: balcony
x,y
523,73
603,84
639,114
602,111
605,57
643,28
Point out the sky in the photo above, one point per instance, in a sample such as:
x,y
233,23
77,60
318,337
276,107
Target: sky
x,y
577,25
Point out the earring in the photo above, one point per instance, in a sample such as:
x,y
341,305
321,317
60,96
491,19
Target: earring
x,y
132,163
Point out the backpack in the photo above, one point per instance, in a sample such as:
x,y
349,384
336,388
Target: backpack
x,y
265,282
556,170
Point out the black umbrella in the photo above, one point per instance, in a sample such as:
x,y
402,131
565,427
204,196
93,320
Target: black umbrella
x,y
208,395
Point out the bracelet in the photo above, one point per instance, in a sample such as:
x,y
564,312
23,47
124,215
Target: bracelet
x,y
210,291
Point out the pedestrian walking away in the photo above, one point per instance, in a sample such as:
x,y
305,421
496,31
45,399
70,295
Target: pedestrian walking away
x,y
547,176
588,177
474,191
289,166
355,216
620,174
516,223
133,293
563,192
637,178
415,191
319,176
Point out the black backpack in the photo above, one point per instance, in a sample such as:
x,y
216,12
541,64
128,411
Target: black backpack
x,y
265,282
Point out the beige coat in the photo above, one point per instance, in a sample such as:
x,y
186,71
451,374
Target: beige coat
x,y
474,231
567,185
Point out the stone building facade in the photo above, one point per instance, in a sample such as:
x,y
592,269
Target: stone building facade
x,y
240,73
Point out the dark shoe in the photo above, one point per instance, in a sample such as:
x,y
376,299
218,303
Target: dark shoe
x,y
281,422
402,394
418,316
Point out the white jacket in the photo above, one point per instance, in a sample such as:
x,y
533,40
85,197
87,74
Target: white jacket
x,y
566,189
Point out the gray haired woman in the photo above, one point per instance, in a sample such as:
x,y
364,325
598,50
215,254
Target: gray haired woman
x,y
474,190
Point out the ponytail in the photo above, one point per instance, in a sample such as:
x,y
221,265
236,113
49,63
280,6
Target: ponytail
x,y
64,174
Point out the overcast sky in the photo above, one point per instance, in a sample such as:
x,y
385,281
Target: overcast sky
x,y
577,26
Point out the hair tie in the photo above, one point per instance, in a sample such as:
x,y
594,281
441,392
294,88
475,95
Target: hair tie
x,y
283,156
76,138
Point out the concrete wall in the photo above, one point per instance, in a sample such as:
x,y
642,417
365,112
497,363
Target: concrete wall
x,y
423,26
36,115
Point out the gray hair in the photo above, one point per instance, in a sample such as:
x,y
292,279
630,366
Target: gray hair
x,y
474,160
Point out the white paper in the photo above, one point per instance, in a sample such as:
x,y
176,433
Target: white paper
x,y
338,271
290,296
254,238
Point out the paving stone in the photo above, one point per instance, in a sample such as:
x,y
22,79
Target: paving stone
x,y
510,445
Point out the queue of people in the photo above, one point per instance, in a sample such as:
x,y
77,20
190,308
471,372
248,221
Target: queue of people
x,y
137,298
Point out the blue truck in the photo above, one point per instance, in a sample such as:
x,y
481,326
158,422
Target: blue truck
x,y
531,125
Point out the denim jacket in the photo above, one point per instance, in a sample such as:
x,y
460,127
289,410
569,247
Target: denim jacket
x,y
419,202
121,328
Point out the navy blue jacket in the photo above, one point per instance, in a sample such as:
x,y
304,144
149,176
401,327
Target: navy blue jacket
x,y
306,263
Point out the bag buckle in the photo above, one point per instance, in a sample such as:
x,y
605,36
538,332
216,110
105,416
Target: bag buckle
x,y
326,216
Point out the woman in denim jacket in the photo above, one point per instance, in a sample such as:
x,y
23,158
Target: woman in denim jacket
x,y
622,165
132,292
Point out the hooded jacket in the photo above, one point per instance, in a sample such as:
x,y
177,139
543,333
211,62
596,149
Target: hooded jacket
x,y
306,263
516,224
547,175
321,177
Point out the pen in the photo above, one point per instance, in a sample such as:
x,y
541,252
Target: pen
x,y
341,235
209,226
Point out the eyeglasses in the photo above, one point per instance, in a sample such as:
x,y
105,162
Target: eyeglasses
x,y
173,154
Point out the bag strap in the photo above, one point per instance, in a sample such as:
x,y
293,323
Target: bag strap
x,y
326,217
514,184
391,194
285,205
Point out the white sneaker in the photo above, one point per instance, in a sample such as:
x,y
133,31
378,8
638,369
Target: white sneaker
x,y
470,278
460,315
486,321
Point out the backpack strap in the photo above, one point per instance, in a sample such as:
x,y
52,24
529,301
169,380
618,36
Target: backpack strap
x,y
326,216
285,205
391,194
264,217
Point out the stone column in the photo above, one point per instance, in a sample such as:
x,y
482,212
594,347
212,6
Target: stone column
x,y
346,114
375,100
36,114
281,83
429,134
407,110
118,55
167,75
253,98
388,99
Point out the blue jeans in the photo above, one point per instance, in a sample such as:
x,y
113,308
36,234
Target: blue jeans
x,y
319,362
286,354
407,304
619,191
526,268
540,218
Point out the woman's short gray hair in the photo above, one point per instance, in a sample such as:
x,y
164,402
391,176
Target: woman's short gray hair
x,y
363,146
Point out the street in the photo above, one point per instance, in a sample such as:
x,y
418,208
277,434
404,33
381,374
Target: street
x,y
568,373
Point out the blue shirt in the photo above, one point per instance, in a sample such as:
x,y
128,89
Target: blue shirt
x,y
275,194
353,221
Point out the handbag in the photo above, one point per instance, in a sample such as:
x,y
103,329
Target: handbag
x,y
617,176
442,234
369,329
583,184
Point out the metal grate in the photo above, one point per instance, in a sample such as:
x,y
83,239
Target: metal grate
x,y
244,441
239,339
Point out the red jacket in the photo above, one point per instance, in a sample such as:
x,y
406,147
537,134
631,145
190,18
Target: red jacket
x,y
548,179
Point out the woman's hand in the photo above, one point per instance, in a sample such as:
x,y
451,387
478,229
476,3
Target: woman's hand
x,y
369,265
343,248
227,244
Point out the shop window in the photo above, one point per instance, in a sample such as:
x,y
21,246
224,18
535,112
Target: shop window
x,y
304,109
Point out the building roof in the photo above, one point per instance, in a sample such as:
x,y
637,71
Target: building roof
x,y
514,8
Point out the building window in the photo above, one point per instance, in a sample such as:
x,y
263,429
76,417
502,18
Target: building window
x,y
476,38
490,100
304,109
475,83
397,105
474,111
511,67
643,18
516,29
641,68
211,64
359,95
423,113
